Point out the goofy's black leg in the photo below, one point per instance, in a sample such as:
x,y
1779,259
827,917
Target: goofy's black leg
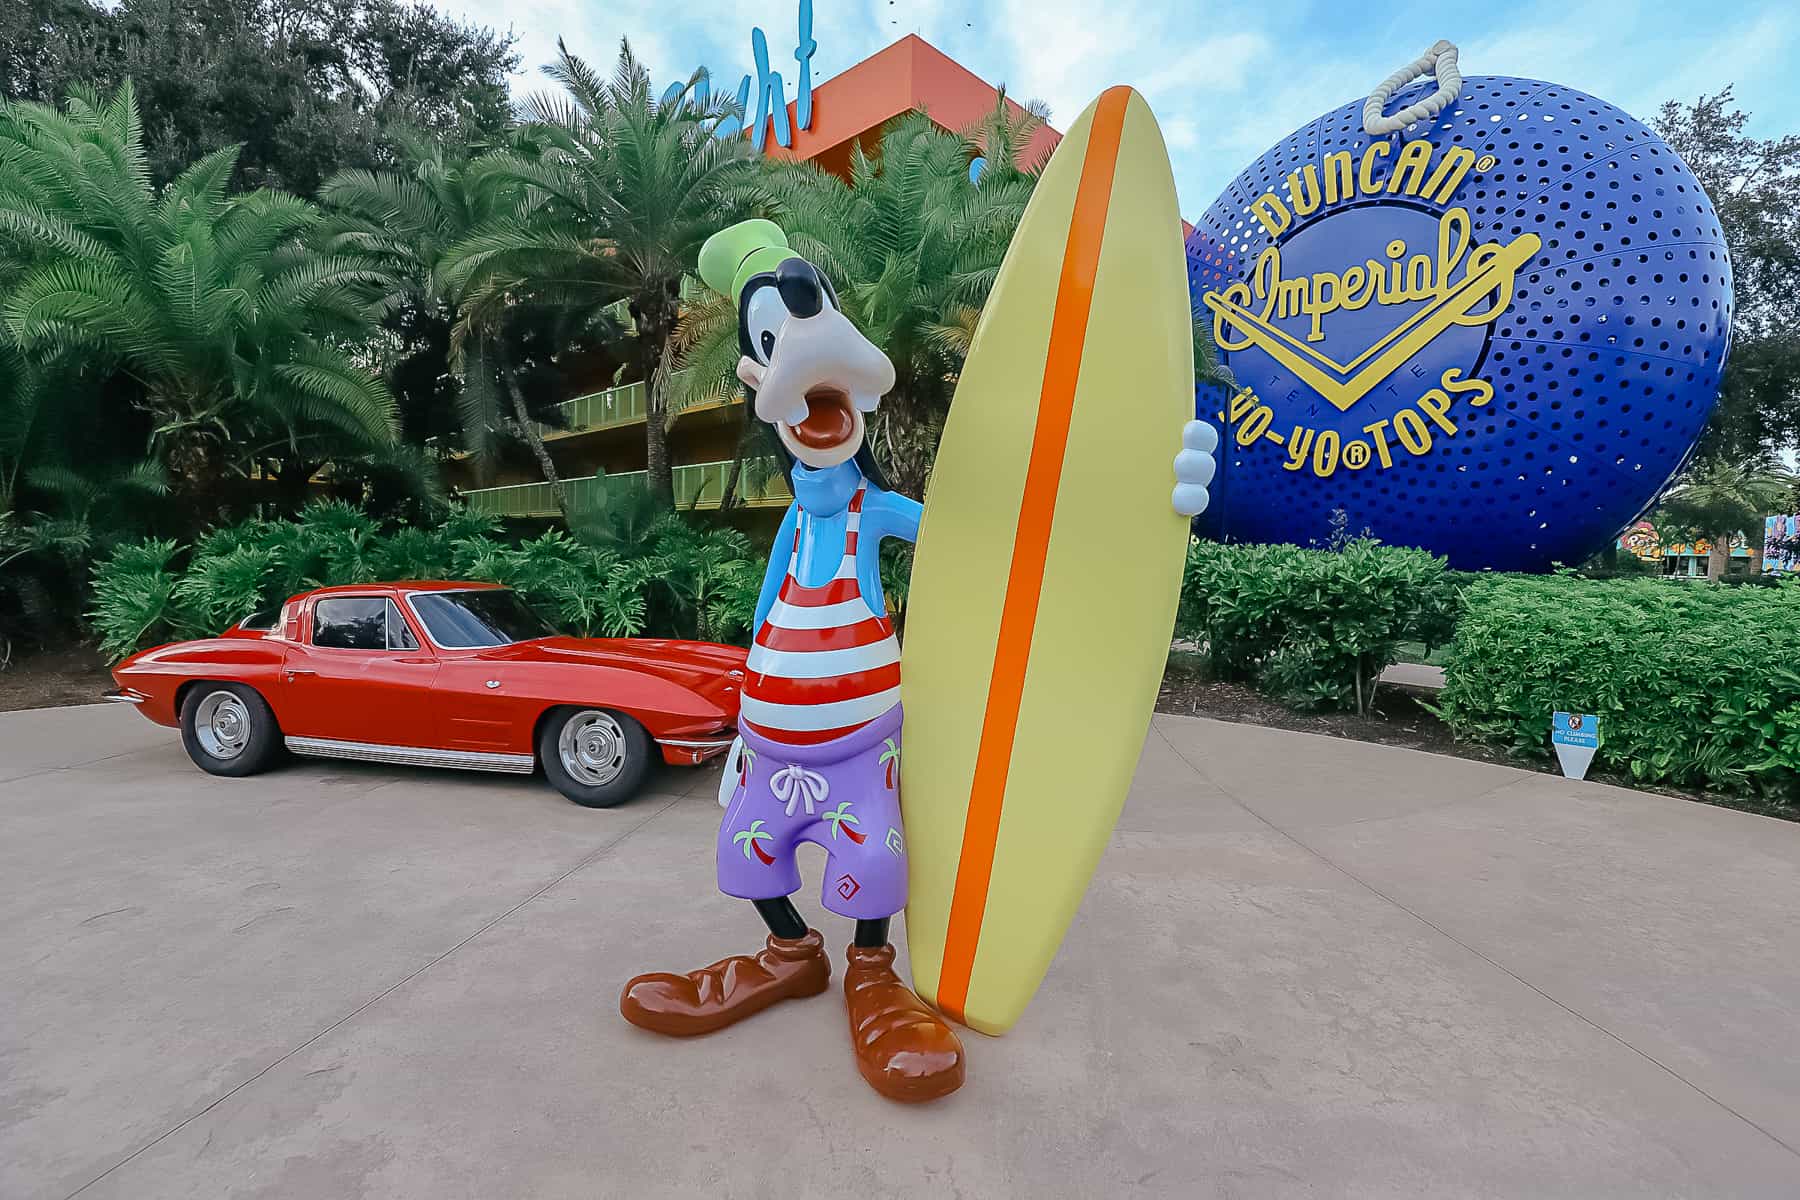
x,y
782,918
872,933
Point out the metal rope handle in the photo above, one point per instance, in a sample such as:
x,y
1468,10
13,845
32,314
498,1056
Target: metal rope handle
x,y
1438,62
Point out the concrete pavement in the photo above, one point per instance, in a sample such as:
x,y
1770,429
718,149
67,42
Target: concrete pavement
x,y
1307,967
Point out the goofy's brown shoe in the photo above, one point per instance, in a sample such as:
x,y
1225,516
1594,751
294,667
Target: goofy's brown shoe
x,y
729,990
903,1049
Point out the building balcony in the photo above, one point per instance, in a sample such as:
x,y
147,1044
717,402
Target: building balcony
x,y
612,409
697,486
599,410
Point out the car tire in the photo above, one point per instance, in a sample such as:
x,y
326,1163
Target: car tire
x,y
594,756
228,729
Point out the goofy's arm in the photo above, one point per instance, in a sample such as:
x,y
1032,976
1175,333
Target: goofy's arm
x,y
885,514
891,515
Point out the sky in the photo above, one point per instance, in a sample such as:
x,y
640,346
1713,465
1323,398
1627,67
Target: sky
x,y
1226,80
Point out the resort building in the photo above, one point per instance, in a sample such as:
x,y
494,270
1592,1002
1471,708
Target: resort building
x,y
601,445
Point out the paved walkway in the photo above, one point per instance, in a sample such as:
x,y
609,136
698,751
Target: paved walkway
x,y
1307,967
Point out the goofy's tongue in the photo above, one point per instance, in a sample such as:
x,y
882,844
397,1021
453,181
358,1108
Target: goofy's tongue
x,y
830,421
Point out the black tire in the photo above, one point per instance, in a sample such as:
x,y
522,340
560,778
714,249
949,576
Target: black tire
x,y
606,758
228,729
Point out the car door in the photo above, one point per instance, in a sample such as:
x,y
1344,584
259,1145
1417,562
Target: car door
x,y
361,674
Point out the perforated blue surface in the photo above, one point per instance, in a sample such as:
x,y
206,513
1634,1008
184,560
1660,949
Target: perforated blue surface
x,y
1604,361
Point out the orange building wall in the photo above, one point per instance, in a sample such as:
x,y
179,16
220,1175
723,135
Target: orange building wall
x,y
910,74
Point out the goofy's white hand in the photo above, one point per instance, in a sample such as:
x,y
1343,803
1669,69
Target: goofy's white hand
x,y
734,772
1194,468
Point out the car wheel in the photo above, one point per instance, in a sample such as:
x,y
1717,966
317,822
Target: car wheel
x,y
595,757
228,729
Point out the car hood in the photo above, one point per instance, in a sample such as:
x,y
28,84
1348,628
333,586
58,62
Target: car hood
x,y
702,666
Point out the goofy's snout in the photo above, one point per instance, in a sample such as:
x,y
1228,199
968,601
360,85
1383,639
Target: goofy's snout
x,y
819,354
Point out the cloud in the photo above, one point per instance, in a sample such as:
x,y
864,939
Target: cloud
x,y
1226,78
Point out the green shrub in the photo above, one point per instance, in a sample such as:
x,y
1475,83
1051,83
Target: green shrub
x,y
1694,683
1313,628
134,598
673,577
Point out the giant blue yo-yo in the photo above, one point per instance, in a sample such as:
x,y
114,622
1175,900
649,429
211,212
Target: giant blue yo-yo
x,y
1495,332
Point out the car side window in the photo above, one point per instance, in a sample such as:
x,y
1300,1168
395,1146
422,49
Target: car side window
x,y
399,637
351,623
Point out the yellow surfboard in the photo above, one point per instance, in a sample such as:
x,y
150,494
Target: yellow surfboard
x,y
1048,565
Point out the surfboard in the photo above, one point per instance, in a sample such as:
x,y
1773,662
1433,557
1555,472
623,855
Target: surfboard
x,y
1047,569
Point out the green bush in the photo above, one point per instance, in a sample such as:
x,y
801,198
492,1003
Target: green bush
x,y
1313,628
1694,683
671,578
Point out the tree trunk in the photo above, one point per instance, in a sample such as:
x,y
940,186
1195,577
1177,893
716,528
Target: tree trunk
x,y
528,430
659,474
735,476
655,320
729,496
1718,556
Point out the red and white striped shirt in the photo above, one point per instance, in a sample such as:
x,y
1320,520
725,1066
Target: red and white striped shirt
x,y
824,663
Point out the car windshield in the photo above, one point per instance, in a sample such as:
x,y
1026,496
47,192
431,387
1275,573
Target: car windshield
x,y
469,620
263,620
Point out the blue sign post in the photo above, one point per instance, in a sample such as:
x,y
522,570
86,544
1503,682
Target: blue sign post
x,y
1576,736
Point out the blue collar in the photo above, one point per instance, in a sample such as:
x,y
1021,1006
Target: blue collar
x,y
826,491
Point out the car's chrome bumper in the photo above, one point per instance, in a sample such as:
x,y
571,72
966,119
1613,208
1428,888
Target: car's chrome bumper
x,y
122,696
694,750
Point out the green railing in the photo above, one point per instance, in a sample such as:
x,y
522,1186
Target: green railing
x,y
700,485
697,485
598,410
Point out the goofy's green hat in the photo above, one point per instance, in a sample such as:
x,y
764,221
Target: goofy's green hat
x,y
731,256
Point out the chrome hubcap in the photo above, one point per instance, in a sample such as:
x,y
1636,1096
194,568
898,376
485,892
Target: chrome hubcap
x,y
222,723
592,747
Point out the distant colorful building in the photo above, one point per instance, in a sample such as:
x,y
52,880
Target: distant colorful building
x,y
1781,545
1685,559
602,447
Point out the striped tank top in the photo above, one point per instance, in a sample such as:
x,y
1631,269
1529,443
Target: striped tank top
x,y
824,664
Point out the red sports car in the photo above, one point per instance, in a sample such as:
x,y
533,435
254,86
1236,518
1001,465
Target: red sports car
x,y
439,674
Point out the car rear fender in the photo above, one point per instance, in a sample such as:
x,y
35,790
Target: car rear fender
x,y
159,677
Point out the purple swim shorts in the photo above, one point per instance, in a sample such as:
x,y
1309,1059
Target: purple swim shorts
x,y
843,795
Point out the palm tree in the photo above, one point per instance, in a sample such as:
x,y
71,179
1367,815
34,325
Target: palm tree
x,y
913,245
212,303
889,760
20,398
750,839
705,350
1716,500
615,207
402,222
842,819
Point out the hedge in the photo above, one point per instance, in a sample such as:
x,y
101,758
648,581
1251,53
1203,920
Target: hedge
x,y
1695,684
672,577
1313,628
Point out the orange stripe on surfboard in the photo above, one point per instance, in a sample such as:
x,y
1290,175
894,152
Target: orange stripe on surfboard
x,y
1031,547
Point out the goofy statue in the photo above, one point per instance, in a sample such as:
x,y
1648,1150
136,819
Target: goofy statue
x,y
819,730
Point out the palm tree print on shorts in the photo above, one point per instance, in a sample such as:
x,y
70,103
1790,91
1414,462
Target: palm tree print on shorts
x,y
890,759
752,838
841,818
